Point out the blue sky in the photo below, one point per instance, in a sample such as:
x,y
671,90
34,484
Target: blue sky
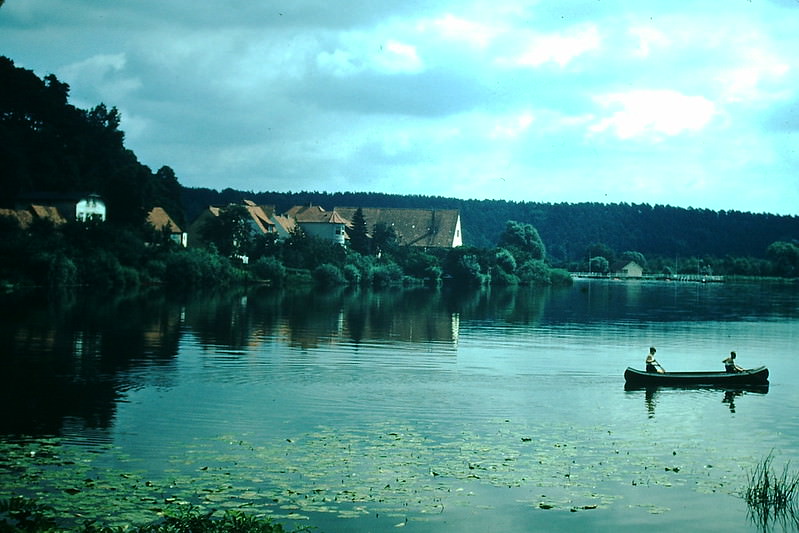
x,y
690,104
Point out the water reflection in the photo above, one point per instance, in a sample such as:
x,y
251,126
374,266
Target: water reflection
x,y
63,354
71,357
728,395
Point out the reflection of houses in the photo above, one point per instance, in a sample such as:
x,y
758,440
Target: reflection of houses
x,y
627,269
56,208
426,228
314,220
160,220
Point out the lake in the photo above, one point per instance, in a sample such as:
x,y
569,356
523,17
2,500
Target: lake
x,y
428,410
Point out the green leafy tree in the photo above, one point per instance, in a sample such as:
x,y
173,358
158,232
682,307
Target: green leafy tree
x,y
785,256
534,272
638,257
230,231
384,238
523,239
599,249
359,239
599,264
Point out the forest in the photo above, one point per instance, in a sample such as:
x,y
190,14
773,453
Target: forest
x,y
47,144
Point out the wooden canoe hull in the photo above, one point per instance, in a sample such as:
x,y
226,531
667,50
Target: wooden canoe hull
x,y
754,376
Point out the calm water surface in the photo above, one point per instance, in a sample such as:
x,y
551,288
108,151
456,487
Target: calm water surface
x,y
417,409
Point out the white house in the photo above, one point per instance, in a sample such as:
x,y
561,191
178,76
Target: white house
x,y
314,220
90,207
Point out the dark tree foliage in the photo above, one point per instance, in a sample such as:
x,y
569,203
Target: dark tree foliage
x,y
523,239
384,239
229,232
48,145
359,238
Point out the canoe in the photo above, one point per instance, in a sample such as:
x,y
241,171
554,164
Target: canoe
x,y
752,376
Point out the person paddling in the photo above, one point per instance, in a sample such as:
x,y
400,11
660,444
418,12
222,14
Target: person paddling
x,y
730,365
651,363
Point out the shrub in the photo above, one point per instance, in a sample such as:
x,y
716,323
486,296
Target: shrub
x,y
534,272
560,277
386,274
328,275
196,267
269,269
352,274
62,272
500,277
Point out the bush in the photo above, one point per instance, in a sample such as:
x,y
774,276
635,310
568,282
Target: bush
x,y
502,278
328,275
352,274
196,267
269,269
534,272
387,274
560,277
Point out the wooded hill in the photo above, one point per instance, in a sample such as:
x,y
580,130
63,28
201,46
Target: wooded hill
x,y
568,230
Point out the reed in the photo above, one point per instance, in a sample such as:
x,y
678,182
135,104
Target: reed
x,y
772,496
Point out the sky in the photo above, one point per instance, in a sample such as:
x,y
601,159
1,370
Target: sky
x,y
688,104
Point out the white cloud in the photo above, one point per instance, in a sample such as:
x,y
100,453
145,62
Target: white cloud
x,y
559,48
653,114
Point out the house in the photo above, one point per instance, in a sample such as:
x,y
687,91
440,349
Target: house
x,y
314,220
262,220
60,207
627,269
159,219
425,228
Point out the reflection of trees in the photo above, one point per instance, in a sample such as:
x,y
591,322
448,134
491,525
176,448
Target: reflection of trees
x,y
64,358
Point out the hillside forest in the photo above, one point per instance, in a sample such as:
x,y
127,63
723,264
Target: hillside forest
x,y
47,144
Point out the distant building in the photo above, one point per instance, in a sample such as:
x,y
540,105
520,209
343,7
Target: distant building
x,y
314,220
627,269
262,220
424,228
60,207
160,220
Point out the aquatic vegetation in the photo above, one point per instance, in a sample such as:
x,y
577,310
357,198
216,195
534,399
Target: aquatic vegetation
x,y
771,496
19,514
384,468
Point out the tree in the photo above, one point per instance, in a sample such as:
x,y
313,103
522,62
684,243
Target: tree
x,y
359,240
785,256
599,264
523,239
599,249
638,257
229,232
384,238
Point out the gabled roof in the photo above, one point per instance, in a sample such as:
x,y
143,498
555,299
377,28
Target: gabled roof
x,y
48,212
160,219
435,228
310,214
25,217
22,217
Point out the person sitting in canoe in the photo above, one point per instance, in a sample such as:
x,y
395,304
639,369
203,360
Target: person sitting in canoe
x,y
651,364
730,365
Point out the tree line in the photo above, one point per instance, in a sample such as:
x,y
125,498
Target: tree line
x,y
668,239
